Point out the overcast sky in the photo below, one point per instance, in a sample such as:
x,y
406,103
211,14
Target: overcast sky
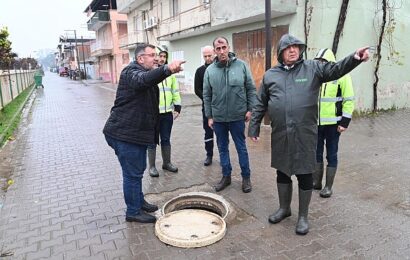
x,y
37,24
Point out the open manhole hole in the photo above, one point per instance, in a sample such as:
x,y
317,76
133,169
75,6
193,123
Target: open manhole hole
x,y
193,219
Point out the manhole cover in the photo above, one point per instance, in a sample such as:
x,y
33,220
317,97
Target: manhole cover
x,y
198,200
190,228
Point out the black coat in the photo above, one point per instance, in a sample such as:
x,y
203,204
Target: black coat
x,y
199,81
134,116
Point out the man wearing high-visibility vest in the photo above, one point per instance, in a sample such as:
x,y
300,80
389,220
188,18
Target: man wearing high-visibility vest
x,y
169,109
336,106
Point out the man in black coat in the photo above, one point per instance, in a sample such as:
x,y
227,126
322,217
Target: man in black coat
x,y
208,55
133,125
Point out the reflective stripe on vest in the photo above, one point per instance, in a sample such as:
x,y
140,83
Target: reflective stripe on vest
x,y
331,119
347,115
167,108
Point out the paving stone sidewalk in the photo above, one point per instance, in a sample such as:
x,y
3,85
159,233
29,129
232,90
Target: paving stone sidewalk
x,y
66,201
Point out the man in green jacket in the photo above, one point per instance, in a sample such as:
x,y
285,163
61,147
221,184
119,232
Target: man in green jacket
x,y
290,92
336,106
229,96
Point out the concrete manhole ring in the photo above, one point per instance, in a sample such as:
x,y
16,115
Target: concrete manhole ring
x,y
190,228
198,200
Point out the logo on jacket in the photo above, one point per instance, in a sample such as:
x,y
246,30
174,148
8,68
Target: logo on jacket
x,y
301,80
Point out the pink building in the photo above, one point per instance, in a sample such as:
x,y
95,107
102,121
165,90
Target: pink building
x,y
109,27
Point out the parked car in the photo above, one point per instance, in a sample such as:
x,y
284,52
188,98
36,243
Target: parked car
x,y
63,72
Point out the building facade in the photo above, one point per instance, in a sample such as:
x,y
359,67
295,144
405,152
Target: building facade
x,y
185,26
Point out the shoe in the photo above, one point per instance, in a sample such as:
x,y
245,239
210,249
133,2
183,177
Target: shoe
x,y
246,185
208,161
147,207
141,218
285,198
225,182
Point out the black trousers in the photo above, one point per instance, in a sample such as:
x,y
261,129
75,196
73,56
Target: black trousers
x,y
305,181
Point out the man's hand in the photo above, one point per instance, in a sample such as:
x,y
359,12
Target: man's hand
x,y
176,66
175,114
211,123
341,129
254,138
248,116
362,54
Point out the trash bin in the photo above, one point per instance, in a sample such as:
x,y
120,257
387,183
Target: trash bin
x,y
38,80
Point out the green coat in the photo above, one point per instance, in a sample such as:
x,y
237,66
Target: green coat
x,y
290,95
229,91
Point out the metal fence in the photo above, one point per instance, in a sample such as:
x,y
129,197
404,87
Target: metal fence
x,y
12,83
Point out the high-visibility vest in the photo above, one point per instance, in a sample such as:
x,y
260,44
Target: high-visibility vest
x,y
336,103
169,94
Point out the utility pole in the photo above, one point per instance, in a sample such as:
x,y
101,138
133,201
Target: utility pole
x,y
268,35
76,50
82,45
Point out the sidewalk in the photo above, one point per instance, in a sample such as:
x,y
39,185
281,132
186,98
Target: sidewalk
x,y
67,202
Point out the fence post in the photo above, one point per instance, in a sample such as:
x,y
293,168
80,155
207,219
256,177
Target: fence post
x,y
1,94
10,85
17,82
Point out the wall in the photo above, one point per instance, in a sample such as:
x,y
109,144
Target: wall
x,y
362,28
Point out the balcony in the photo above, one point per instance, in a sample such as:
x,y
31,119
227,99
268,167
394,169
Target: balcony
x,y
100,48
99,19
130,40
126,6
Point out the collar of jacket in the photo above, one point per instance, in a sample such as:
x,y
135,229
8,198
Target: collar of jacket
x,y
136,64
232,58
286,67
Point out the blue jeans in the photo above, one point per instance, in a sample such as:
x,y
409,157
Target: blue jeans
x,y
166,120
209,135
237,130
328,134
132,158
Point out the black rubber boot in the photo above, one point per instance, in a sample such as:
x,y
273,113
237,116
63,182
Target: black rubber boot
x,y
285,198
225,182
330,177
318,176
302,227
166,159
151,162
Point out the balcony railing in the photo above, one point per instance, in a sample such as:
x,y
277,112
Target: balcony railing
x,y
129,40
100,48
98,20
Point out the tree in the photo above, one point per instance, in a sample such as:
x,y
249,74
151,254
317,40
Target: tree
x,y
6,55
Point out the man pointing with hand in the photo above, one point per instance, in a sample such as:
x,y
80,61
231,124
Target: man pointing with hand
x,y
133,125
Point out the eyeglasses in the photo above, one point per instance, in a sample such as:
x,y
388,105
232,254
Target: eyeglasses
x,y
149,54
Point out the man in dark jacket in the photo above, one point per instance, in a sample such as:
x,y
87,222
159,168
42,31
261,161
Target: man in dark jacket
x,y
229,96
289,93
133,125
208,55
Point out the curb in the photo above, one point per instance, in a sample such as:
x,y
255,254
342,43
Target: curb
x,y
2,136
